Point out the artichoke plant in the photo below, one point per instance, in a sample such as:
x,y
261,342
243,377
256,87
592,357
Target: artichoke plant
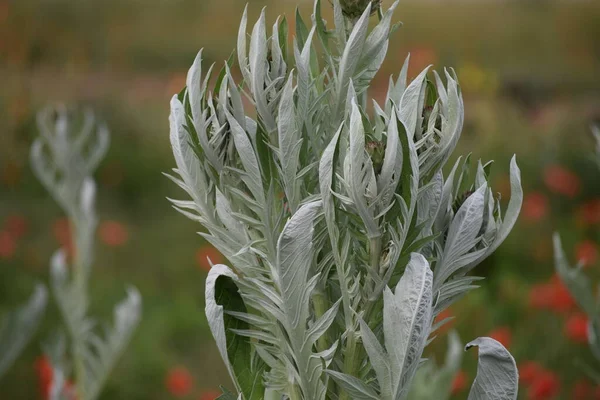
x,y
343,235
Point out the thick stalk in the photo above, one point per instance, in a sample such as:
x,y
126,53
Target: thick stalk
x,y
320,305
294,392
80,280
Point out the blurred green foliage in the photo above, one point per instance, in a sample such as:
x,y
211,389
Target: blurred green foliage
x,y
530,71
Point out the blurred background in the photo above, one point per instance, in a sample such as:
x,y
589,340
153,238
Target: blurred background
x,y
530,74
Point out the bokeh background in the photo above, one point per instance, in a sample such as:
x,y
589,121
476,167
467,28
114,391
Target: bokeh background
x,y
530,74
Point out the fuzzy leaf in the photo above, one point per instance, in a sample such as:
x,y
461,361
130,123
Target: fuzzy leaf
x,y
17,328
497,376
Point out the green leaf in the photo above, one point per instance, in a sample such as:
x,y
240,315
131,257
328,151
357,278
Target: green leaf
x,y
248,370
355,387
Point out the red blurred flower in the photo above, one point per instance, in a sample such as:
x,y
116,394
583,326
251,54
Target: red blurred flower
x,y
447,313
503,335
179,382
16,225
560,180
421,57
529,372
113,233
562,301
209,395
589,212
544,387
576,328
535,207
587,252
582,390
8,246
541,296
62,231
459,383
43,369
205,253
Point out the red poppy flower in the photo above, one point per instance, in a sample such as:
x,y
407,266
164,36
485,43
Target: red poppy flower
x,y
16,225
503,335
529,372
210,395
62,231
447,313
589,213
562,301
179,382
113,233
43,370
560,180
582,390
535,207
576,328
8,246
545,387
541,296
459,383
205,253
587,252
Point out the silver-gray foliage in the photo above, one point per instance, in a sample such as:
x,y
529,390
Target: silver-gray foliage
x,y
64,158
580,286
497,377
343,235
18,326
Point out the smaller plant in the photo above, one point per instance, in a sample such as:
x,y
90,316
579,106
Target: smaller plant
x,y
18,326
580,286
64,157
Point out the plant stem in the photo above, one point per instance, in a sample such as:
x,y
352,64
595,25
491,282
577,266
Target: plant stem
x,y
294,392
320,305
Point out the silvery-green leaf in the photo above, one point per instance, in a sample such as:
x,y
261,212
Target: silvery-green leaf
x,y
462,234
294,259
392,162
17,328
497,376
242,48
289,143
349,61
379,360
214,315
355,387
407,317
322,324
188,166
356,179
411,105
257,58
253,178
574,279
594,335
511,215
